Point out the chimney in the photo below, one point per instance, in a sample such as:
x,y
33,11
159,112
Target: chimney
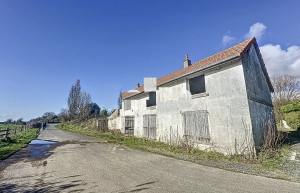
x,y
186,62
137,85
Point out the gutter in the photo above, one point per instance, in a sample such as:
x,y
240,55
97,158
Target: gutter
x,y
207,67
201,69
134,95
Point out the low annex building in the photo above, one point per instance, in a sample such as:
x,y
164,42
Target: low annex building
x,y
221,102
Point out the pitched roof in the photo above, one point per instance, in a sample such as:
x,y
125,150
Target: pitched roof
x,y
235,51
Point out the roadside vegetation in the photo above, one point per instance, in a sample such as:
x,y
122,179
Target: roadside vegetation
x,y
292,114
286,100
269,158
80,106
4,126
272,155
10,145
115,136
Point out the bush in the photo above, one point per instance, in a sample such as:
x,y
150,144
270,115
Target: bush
x,y
293,119
295,106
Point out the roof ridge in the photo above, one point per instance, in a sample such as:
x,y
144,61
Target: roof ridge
x,y
248,41
232,47
236,50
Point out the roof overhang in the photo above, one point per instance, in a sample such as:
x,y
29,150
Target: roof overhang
x,y
190,73
203,69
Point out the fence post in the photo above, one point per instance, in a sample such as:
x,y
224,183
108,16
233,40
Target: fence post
x,y
6,132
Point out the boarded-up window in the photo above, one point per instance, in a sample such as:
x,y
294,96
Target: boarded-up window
x,y
127,105
149,125
128,125
195,124
197,85
152,99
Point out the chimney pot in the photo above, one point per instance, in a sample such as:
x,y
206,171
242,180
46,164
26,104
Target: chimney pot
x,y
137,85
186,62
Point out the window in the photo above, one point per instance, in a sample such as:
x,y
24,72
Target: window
x,y
152,99
197,85
127,105
195,124
128,125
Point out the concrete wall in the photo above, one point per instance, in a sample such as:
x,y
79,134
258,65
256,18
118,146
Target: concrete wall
x,y
225,100
234,115
114,120
138,109
259,96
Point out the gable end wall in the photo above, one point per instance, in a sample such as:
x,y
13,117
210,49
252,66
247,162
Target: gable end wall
x,y
259,98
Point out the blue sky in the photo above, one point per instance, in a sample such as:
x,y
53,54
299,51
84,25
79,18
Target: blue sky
x,y
46,45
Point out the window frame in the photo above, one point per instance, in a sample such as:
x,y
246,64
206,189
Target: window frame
x,y
152,100
201,89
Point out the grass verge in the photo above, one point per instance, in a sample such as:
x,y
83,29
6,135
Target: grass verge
x,y
11,145
144,144
270,160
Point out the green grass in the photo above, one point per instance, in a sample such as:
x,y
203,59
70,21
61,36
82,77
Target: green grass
x,y
11,145
144,144
272,160
10,126
4,126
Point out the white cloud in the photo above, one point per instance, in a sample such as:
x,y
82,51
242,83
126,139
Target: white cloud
x,y
257,30
279,61
227,39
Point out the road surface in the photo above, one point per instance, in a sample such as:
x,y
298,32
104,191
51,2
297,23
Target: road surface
x,y
86,164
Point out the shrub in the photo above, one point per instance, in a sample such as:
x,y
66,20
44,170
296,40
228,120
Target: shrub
x,y
295,106
293,119
273,139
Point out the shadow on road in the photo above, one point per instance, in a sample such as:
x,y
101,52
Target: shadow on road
x,y
137,188
40,186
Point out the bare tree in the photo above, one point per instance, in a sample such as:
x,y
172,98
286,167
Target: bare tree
x,y
64,115
74,99
78,102
84,105
286,90
9,121
120,100
20,121
49,116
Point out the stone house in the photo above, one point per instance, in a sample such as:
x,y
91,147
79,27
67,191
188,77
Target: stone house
x,y
221,102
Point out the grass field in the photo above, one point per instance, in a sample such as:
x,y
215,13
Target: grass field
x,y
4,126
11,145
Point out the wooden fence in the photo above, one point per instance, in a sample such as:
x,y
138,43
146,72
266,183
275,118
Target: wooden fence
x,y
8,132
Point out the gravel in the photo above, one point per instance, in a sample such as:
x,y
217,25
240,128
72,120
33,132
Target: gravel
x,y
290,169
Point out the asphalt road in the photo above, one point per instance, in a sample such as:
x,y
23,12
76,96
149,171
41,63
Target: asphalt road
x,y
85,164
